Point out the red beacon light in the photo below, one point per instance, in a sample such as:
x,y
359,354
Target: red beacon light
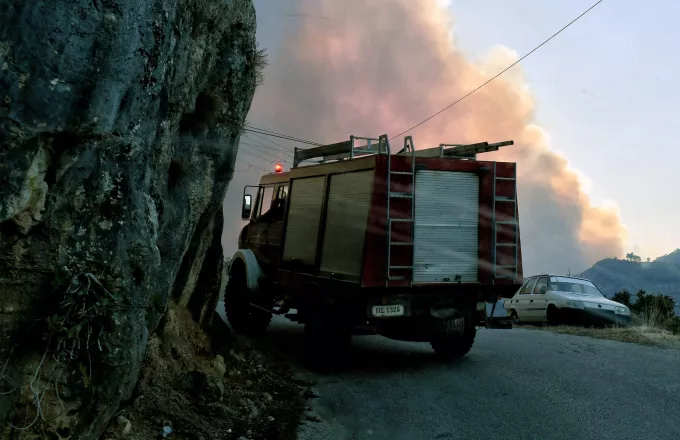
x,y
278,168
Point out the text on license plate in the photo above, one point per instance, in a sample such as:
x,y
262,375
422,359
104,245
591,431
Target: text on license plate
x,y
395,310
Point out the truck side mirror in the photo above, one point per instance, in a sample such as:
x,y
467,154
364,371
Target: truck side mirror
x,y
246,207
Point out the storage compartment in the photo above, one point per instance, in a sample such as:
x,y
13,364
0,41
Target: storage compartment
x,y
446,235
349,200
304,217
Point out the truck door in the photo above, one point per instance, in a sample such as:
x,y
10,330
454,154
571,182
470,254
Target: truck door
x,y
275,221
259,228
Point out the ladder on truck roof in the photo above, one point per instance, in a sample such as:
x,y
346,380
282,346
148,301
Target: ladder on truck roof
x,y
381,145
342,150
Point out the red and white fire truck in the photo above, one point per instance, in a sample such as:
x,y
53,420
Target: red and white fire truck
x,y
409,245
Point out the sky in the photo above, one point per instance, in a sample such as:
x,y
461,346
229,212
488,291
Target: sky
x,y
590,111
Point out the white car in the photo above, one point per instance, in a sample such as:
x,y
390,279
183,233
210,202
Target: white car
x,y
559,299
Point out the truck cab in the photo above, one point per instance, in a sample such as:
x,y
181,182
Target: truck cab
x,y
410,245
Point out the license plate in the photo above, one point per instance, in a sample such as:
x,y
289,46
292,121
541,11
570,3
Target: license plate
x,y
383,311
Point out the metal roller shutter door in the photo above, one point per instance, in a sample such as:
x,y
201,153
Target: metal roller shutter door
x,y
446,236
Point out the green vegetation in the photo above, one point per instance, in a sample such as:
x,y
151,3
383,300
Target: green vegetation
x,y
652,310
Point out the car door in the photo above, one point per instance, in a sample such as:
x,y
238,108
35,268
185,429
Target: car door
x,y
538,303
520,302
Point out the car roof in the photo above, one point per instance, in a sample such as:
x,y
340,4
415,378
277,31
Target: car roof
x,y
557,275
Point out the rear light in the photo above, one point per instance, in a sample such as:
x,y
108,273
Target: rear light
x,y
278,168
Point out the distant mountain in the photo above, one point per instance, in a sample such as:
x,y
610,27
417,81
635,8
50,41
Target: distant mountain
x,y
659,276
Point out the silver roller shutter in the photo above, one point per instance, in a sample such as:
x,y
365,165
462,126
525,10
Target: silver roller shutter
x,y
446,238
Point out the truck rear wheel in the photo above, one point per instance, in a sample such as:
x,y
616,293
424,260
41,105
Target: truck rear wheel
x,y
454,338
327,344
243,317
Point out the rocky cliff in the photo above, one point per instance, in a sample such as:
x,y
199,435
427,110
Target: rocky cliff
x,y
119,121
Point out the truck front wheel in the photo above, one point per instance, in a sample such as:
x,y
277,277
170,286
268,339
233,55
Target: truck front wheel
x,y
243,317
454,337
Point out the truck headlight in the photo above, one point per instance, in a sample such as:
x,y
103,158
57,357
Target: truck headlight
x,y
575,304
622,311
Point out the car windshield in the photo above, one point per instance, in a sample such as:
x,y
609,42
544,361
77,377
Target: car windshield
x,y
574,285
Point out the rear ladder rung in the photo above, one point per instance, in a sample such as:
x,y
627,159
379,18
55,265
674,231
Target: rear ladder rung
x,y
403,173
401,220
400,195
401,243
505,244
505,199
401,267
505,178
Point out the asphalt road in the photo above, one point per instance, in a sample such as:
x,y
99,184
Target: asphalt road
x,y
514,384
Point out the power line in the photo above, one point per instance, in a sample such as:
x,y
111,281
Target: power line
x,y
270,156
250,165
269,147
501,72
285,147
255,155
280,135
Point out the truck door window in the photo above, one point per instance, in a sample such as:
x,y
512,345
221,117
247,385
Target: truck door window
x,y
279,205
265,199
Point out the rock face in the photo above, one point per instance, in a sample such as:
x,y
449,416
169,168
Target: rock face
x,y
119,121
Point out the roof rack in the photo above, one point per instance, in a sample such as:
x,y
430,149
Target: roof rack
x,y
462,151
343,150
381,145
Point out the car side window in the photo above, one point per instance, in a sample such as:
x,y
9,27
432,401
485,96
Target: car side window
x,y
541,286
528,287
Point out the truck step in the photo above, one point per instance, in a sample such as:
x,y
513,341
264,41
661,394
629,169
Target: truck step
x,y
399,195
396,278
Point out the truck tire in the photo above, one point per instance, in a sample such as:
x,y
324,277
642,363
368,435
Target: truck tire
x,y
449,343
243,318
327,344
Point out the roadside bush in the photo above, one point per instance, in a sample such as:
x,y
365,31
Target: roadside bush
x,y
654,310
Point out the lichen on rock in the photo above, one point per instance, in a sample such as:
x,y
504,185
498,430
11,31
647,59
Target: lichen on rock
x,y
119,122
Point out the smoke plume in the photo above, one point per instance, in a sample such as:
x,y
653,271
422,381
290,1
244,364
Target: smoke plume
x,y
372,67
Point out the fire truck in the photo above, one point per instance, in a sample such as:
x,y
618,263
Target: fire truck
x,y
355,239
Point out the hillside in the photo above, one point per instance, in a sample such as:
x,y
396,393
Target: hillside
x,y
659,276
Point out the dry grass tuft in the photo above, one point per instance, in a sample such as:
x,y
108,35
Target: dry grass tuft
x,y
642,334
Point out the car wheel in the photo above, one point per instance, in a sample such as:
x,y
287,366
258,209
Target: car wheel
x,y
553,315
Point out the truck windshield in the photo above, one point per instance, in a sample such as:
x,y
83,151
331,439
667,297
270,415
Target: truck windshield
x,y
573,285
